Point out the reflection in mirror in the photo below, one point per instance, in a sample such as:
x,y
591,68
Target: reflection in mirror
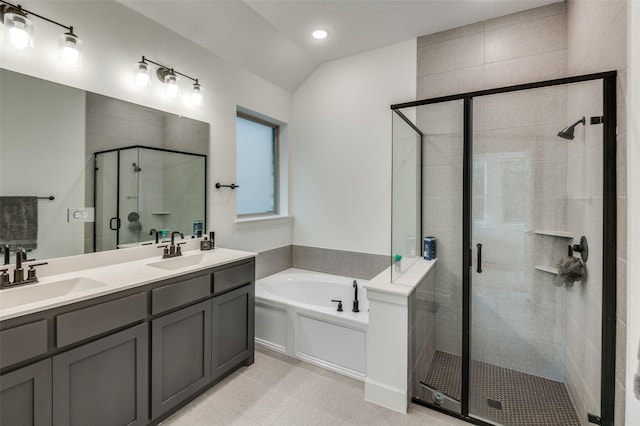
x,y
139,189
49,134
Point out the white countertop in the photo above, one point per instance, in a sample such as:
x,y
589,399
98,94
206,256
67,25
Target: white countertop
x,y
116,277
404,284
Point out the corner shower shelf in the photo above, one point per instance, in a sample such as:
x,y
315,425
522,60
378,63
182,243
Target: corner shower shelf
x,y
548,269
561,234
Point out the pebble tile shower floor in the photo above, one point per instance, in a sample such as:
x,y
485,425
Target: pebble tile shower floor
x,y
279,390
526,400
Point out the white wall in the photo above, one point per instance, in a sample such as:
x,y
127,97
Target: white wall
x,y
32,162
633,193
115,38
342,156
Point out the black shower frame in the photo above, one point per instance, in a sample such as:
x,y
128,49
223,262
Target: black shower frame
x,y
173,151
609,131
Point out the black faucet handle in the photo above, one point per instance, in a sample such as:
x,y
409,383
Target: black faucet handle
x,y
179,249
339,304
31,274
4,276
165,247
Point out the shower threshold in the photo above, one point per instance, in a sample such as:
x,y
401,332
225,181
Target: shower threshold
x,y
498,394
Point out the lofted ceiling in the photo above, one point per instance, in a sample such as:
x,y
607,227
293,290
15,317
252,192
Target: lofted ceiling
x,y
272,38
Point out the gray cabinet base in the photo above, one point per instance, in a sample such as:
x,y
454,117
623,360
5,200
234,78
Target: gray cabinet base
x,y
180,356
104,382
25,396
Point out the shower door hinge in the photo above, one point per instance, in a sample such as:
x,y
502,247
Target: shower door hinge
x,y
594,419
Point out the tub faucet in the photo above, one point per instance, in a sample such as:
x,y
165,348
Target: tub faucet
x,y
355,300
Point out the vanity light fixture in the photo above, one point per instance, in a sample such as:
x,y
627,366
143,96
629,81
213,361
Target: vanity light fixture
x,y
196,95
20,31
168,76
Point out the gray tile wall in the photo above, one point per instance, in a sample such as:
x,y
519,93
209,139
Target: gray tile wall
x,y
346,263
522,328
596,42
272,261
339,262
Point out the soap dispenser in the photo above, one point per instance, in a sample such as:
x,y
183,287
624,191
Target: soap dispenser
x,y
205,244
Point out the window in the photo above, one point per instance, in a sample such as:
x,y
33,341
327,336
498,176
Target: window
x,y
257,154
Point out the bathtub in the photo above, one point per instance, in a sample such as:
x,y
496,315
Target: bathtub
x,y
295,316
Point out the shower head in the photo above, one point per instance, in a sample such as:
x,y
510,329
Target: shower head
x,y
567,132
136,168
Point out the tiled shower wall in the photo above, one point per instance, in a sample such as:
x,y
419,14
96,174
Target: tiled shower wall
x,y
518,48
596,34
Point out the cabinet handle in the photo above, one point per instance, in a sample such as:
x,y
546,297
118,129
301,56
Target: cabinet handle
x,y
479,262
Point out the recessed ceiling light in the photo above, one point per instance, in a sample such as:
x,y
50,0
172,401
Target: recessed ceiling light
x,y
319,34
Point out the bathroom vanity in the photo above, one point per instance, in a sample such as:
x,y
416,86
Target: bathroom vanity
x,y
132,351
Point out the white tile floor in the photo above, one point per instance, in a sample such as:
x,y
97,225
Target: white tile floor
x,y
278,390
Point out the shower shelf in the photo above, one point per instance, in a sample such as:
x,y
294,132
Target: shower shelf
x,y
549,269
161,213
561,234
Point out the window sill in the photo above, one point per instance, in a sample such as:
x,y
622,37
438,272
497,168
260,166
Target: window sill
x,y
258,221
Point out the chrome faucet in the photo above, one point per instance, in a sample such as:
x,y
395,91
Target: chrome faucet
x,y
174,249
18,272
173,235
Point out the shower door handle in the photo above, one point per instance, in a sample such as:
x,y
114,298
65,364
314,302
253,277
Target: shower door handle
x,y
117,219
479,258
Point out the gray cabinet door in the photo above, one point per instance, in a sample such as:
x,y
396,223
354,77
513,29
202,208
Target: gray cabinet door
x,y
233,329
25,396
180,356
104,382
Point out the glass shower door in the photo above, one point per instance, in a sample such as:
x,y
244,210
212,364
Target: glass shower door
x,y
106,194
528,342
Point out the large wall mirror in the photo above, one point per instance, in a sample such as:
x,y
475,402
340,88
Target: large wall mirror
x,y
99,158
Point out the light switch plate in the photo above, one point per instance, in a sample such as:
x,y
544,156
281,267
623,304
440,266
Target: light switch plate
x,y
81,214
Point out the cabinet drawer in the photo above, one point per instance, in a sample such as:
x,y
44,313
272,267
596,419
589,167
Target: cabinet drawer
x,y
23,342
233,277
94,320
181,293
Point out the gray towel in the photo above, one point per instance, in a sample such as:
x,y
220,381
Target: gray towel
x,y
19,222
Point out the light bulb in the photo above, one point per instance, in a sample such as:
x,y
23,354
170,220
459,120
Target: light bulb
x,y
20,30
142,74
319,34
171,85
196,95
70,47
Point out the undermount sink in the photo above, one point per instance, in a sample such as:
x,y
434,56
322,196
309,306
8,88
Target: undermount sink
x,y
178,262
31,293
